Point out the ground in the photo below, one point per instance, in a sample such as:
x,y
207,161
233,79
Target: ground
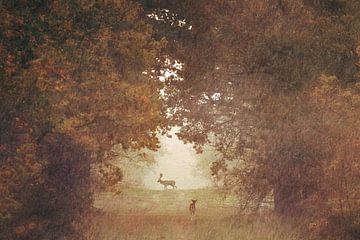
x,y
163,214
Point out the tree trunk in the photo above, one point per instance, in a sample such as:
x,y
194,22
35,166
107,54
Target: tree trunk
x,y
287,200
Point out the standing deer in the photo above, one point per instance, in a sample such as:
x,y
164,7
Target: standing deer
x,y
166,182
192,208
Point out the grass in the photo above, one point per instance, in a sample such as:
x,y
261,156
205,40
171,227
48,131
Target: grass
x,y
154,215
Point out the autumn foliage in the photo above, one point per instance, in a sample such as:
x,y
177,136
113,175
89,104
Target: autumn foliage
x,y
76,79
272,86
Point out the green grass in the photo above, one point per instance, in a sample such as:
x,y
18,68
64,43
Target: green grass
x,y
153,215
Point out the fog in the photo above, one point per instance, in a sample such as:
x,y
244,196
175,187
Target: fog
x,y
176,161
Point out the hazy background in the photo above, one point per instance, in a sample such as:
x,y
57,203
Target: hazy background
x,y
177,161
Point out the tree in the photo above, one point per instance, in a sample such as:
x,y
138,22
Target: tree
x,y
263,60
76,79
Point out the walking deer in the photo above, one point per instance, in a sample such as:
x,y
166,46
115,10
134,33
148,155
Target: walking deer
x,y
167,182
192,207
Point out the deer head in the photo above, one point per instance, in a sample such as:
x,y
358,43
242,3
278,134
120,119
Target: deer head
x,y
160,177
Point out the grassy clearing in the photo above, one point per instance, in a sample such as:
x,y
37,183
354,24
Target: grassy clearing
x,y
148,214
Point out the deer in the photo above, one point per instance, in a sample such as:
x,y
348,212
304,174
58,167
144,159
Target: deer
x,y
192,207
167,182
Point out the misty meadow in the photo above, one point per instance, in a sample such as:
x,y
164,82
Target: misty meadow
x,y
179,119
